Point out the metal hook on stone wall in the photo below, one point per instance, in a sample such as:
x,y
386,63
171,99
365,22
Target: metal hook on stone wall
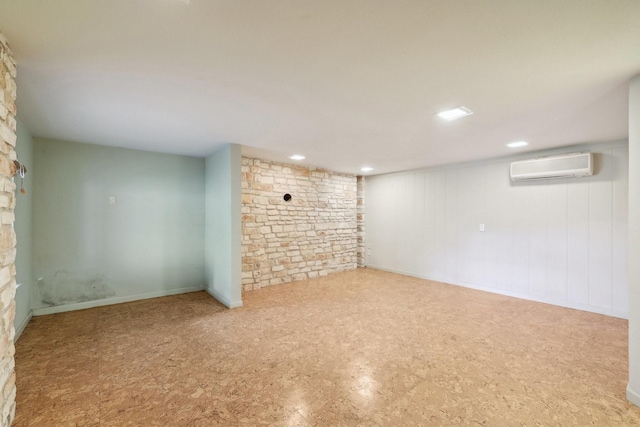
x,y
21,170
18,168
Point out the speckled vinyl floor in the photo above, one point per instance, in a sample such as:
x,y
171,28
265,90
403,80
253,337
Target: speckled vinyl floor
x,y
358,348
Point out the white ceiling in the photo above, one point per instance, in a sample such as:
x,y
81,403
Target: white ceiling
x,y
345,82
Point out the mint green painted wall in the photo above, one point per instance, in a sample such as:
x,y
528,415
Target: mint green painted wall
x,y
23,228
151,241
224,225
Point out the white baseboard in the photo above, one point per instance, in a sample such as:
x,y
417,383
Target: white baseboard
x,y
633,396
22,326
223,300
110,301
552,301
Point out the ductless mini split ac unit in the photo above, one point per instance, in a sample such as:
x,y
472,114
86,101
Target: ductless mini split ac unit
x,y
563,166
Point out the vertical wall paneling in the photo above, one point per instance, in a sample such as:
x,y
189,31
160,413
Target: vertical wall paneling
x,y
600,230
487,239
377,212
419,242
520,238
428,225
578,240
561,241
538,246
437,269
498,228
620,267
557,241
451,224
407,203
470,214
396,258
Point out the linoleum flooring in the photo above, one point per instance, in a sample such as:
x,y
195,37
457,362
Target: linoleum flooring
x,y
360,348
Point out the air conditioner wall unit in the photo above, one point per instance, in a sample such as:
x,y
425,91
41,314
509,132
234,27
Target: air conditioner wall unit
x,y
562,166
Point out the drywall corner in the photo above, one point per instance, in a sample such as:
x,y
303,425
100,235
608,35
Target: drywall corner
x,y
23,227
223,232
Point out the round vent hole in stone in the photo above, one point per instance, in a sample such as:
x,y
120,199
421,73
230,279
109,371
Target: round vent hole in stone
x,y
287,197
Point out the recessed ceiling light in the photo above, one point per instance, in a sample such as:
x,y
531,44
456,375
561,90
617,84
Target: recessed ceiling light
x,y
517,144
297,157
454,113
366,169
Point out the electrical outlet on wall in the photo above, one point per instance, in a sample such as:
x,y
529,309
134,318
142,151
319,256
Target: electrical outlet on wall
x,y
481,227
112,200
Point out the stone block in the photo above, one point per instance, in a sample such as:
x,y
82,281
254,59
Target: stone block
x,y
7,292
7,318
8,217
9,408
8,257
9,385
7,134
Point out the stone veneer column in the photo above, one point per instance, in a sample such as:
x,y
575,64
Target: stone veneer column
x,y
362,256
7,234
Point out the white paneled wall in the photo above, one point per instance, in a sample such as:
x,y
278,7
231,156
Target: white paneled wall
x,y
561,241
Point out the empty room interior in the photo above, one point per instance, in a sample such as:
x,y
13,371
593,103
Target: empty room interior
x,y
327,213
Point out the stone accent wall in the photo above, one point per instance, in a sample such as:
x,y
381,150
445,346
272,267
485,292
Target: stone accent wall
x,y
312,235
7,234
362,257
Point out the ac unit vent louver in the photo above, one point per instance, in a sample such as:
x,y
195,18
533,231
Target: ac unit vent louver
x,y
563,166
